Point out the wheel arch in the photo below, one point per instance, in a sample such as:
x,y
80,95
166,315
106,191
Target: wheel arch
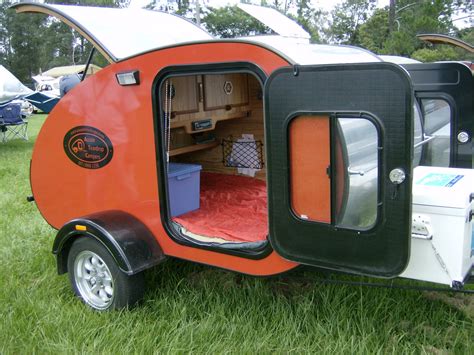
x,y
131,244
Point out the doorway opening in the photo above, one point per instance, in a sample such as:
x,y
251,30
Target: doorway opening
x,y
210,139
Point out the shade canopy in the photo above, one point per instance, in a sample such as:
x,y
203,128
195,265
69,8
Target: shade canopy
x,y
122,33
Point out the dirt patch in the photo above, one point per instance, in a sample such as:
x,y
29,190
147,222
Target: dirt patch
x,y
460,302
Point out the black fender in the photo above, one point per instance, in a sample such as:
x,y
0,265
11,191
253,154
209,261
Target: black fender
x,y
129,241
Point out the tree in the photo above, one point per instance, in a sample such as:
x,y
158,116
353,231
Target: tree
x,y
391,15
347,18
417,17
5,47
442,52
411,17
20,42
103,3
230,21
466,35
281,5
179,7
309,18
374,33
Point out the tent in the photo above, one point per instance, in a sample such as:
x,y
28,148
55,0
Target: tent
x,y
57,72
11,88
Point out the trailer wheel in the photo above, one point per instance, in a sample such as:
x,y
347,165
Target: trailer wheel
x,y
97,280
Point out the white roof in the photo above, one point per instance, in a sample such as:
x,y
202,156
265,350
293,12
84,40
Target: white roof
x,y
278,22
398,59
304,53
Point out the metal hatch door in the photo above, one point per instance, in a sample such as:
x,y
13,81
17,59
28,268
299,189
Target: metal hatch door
x,y
445,94
279,23
121,33
339,153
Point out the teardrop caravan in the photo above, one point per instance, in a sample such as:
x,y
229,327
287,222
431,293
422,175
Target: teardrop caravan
x,y
255,155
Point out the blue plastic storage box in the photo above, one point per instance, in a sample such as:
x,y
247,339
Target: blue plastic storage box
x,y
183,187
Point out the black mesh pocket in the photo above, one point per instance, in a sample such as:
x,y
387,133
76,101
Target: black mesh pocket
x,y
238,154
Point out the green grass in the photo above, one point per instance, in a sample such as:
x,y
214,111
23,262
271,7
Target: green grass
x,y
194,308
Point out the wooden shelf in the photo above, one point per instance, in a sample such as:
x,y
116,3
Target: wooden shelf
x,y
215,116
193,148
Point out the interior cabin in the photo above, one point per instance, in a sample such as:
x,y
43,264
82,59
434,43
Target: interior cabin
x,y
213,131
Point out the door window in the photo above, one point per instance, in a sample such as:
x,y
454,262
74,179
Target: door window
x,y
358,165
417,135
437,131
338,187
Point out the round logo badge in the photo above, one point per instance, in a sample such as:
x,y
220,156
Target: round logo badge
x,y
88,147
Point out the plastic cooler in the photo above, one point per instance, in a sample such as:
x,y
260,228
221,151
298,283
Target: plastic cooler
x,y
441,225
183,187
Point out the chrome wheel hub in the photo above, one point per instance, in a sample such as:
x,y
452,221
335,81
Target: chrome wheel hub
x,y
93,280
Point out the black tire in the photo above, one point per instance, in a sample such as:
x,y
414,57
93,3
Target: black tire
x,y
103,286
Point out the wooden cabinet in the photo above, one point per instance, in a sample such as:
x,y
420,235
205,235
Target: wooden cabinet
x,y
206,100
184,95
224,91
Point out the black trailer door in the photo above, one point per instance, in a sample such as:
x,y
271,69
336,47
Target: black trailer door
x,y
339,153
445,95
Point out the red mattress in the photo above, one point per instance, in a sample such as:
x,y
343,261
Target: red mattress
x,y
232,207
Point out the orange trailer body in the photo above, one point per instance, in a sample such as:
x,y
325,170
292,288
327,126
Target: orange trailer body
x,y
129,182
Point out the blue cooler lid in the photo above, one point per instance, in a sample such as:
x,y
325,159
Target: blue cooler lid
x,y
176,169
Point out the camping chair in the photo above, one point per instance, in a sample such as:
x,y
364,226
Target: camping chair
x,y
12,123
44,102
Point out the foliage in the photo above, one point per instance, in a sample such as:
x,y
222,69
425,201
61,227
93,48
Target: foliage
x,y
280,5
178,7
424,17
412,18
105,3
56,45
230,21
309,18
373,34
19,40
466,35
442,52
347,18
